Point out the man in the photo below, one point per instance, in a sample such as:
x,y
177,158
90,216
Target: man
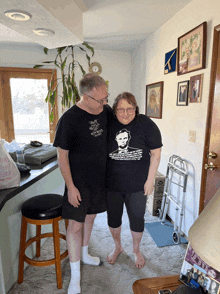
x,y
81,144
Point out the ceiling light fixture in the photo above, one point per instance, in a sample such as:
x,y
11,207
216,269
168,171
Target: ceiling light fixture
x,y
18,15
43,32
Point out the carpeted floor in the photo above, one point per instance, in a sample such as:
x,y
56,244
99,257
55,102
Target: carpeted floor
x,y
105,279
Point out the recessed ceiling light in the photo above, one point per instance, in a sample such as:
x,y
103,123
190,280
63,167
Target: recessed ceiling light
x,y
44,32
18,15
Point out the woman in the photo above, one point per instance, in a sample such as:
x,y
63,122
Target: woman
x,y
134,148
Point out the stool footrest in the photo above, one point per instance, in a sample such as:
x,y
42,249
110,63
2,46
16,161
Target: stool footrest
x,y
42,236
44,262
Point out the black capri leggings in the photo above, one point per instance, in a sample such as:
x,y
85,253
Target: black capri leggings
x,y
135,204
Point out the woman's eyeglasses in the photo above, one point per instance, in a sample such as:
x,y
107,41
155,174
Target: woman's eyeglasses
x,y
121,111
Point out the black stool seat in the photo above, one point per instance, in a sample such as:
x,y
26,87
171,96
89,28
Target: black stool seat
x,y
42,207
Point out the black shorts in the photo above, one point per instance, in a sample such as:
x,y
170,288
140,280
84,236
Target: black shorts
x,y
92,203
135,204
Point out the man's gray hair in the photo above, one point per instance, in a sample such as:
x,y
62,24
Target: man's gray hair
x,y
90,81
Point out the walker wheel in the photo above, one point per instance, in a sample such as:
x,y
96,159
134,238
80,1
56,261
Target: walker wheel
x,y
159,214
176,237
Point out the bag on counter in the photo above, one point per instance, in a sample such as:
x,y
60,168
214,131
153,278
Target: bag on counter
x,y
9,173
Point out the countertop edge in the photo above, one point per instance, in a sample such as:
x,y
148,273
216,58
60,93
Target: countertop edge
x,y
37,173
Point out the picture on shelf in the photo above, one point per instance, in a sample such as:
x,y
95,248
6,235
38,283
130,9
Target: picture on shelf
x,y
182,93
154,100
192,50
195,92
195,273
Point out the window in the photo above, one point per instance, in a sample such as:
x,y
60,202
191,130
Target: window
x,y
24,113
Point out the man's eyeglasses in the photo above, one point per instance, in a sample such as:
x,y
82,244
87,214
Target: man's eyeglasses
x,y
102,101
128,110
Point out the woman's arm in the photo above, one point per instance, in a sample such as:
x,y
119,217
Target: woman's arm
x,y
154,163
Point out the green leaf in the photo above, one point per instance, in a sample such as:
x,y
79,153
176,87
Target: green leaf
x,y
82,69
38,65
48,61
82,49
55,62
65,95
70,93
51,116
45,50
68,81
60,49
89,47
88,58
63,64
52,98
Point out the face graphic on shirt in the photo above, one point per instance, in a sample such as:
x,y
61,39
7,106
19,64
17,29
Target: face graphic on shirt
x,y
122,140
124,151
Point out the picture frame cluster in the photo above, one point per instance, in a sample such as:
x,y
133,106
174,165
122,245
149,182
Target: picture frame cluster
x,y
189,56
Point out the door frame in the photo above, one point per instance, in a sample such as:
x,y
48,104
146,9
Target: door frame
x,y
216,40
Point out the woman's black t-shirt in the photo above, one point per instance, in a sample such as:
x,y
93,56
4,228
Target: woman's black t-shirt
x,y
129,153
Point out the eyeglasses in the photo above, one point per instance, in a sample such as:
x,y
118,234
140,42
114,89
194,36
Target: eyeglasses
x,y
128,110
102,101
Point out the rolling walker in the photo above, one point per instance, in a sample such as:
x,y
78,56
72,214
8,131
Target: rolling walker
x,y
176,167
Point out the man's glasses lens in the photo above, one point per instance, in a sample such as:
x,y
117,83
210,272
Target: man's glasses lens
x,y
100,101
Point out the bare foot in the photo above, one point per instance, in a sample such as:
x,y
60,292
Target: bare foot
x,y
139,260
112,257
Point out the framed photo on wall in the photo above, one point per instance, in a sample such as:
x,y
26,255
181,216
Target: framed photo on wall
x,y
154,100
182,93
192,50
195,88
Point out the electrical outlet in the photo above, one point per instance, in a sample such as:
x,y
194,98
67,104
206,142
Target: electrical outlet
x,y
192,136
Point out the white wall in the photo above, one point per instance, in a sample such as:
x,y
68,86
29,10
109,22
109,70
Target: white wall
x,y
116,69
177,121
116,65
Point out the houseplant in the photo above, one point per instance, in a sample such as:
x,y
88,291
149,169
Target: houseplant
x,y
66,63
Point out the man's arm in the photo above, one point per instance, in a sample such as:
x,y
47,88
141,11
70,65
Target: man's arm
x,y
154,163
63,161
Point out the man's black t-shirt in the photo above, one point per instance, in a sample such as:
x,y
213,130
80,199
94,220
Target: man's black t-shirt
x,y
84,135
129,153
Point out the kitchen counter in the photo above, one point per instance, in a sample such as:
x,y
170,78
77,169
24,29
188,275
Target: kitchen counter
x,y
37,172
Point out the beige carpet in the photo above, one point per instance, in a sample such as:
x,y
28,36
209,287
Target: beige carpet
x,y
105,279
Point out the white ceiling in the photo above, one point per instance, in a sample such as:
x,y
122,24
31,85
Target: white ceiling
x,y
105,24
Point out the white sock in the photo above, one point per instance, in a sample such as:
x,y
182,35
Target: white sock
x,y
88,259
74,285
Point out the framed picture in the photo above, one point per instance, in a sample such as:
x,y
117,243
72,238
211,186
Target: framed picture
x,y
154,100
182,93
192,50
195,88
170,61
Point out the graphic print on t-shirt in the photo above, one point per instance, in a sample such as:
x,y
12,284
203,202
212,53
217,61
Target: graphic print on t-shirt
x,y
124,152
95,128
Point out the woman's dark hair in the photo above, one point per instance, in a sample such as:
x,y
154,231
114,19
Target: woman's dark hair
x,y
129,98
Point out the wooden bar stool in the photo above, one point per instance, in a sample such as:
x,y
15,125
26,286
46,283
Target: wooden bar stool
x,y
42,210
